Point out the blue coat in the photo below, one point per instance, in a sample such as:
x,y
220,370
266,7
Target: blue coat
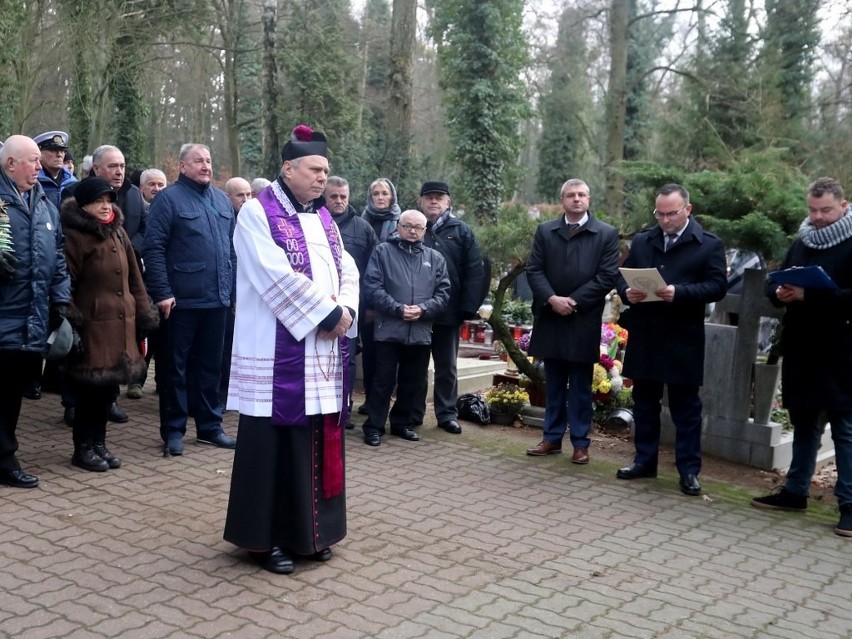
x,y
188,249
582,266
41,277
665,341
53,190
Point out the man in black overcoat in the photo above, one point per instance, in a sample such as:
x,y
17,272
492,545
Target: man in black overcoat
x,y
665,343
572,266
818,387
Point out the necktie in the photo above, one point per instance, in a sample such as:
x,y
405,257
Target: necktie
x,y
572,228
670,239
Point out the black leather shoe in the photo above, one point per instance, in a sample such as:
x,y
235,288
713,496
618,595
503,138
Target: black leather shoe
x,y
217,438
451,426
636,471
407,434
68,415
362,409
18,479
322,555
33,392
689,485
349,425
372,439
276,560
84,457
116,415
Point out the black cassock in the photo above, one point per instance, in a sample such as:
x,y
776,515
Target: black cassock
x,y
276,489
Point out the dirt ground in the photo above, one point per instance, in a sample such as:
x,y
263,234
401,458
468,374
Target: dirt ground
x,y
617,447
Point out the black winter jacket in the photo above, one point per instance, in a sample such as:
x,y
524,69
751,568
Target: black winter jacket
x,y
455,241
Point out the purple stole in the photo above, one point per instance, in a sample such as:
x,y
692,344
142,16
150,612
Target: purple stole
x,y
288,380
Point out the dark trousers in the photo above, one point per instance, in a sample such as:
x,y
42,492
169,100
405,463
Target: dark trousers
x,y
91,412
17,372
407,368
368,352
571,383
225,375
193,352
685,407
445,390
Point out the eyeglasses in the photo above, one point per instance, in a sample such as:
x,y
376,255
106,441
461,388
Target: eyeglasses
x,y
412,227
662,215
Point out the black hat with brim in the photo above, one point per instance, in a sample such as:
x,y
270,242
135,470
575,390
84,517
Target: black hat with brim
x,y
434,187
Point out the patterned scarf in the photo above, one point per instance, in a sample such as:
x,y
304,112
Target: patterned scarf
x,y
831,235
287,232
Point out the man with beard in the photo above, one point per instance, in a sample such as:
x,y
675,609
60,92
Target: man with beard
x,y
817,388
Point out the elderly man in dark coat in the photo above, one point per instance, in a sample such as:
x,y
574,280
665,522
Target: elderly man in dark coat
x,y
666,337
572,266
34,289
817,387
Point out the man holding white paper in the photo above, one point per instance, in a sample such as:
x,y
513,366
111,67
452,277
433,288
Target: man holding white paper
x,y
666,337
817,387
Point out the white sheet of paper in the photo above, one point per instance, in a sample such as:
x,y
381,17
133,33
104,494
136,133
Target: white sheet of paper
x,y
644,279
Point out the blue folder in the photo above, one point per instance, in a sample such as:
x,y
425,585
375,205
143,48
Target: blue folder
x,y
805,277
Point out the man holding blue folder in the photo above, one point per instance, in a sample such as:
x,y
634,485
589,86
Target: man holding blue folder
x,y
818,386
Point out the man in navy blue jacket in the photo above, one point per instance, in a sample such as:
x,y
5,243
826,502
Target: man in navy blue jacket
x,y
665,345
190,261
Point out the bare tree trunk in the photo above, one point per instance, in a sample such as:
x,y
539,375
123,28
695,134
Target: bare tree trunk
x,y
403,25
269,99
228,15
616,106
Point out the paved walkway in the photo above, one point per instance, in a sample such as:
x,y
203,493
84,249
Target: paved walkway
x,y
454,536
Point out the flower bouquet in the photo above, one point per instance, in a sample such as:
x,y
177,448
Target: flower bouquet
x,y
505,402
609,392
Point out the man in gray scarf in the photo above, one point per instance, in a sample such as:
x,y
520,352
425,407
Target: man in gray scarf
x,y
817,384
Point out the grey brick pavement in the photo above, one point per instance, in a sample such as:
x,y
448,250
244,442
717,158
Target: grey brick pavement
x,y
454,536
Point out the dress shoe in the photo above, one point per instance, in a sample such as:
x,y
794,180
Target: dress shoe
x,y
68,415
18,479
84,457
217,438
545,447
134,391
689,485
33,392
349,425
116,415
174,446
362,409
276,560
372,439
406,433
451,426
580,456
322,555
636,471
103,452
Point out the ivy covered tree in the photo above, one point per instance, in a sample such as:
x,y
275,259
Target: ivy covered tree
x,y
567,111
482,51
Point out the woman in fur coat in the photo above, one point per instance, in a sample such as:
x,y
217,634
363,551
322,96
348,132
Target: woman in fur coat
x,y
109,309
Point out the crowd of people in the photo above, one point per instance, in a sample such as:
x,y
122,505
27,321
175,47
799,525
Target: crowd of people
x,y
258,297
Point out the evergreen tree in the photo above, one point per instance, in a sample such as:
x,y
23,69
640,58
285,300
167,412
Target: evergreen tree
x,y
481,52
567,114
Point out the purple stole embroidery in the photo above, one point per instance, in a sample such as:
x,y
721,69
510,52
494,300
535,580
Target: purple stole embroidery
x,y
288,377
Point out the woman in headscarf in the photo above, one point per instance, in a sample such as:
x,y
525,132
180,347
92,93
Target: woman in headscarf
x,y
382,210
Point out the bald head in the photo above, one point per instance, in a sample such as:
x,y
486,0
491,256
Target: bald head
x,y
239,191
411,225
20,158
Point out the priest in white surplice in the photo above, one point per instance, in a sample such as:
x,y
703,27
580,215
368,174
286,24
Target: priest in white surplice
x,y
297,299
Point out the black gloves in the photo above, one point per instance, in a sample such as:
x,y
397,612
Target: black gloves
x,y
57,313
8,262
